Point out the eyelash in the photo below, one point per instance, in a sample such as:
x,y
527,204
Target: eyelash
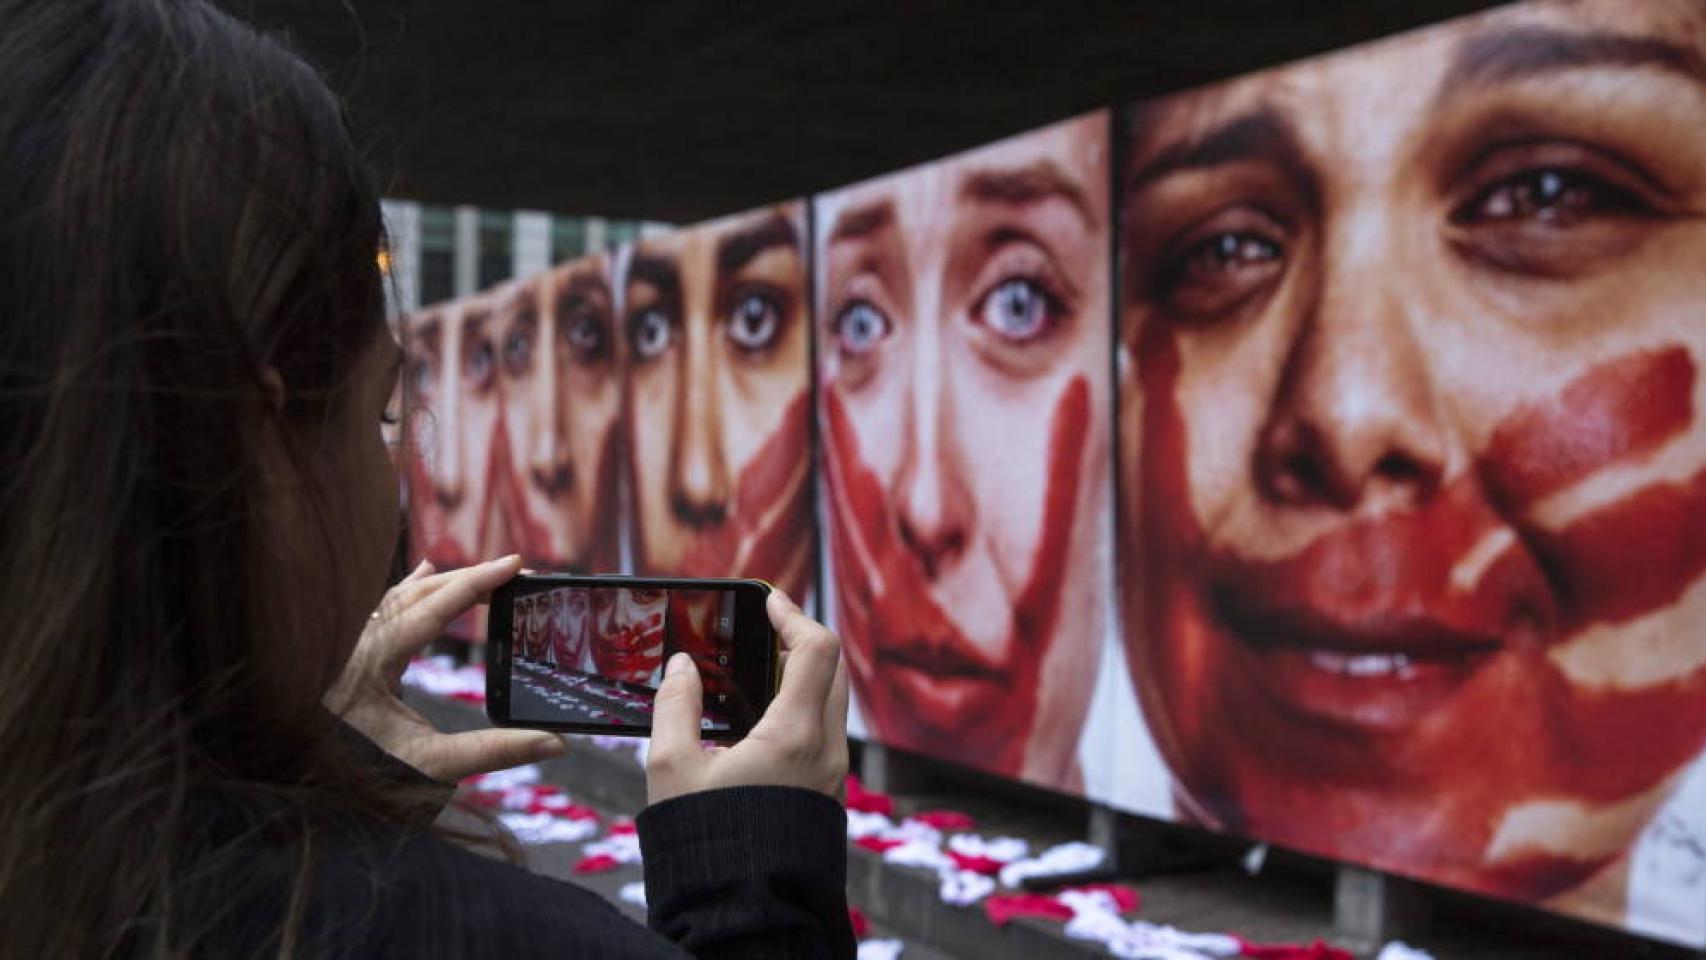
x,y
1567,181
1207,274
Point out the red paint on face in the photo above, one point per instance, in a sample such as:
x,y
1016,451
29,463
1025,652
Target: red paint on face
x,y
691,622
929,687
533,535
632,651
746,543
1618,410
578,632
1411,769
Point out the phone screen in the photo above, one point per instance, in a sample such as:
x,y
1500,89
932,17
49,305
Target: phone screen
x,y
594,655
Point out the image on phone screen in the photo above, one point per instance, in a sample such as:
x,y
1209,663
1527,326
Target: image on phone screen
x,y
595,655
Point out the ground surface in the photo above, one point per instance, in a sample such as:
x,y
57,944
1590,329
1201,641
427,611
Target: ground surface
x,y
1289,901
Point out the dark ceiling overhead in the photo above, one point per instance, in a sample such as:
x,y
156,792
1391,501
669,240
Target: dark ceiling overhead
x,y
679,110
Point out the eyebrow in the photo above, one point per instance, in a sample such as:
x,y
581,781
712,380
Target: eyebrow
x,y
1262,134
1518,52
579,288
527,303
476,315
1032,183
738,248
426,326
651,268
859,222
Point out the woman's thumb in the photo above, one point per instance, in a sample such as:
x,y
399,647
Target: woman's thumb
x,y
675,725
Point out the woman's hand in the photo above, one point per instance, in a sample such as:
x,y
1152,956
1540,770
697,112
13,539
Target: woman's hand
x,y
801,741
413,614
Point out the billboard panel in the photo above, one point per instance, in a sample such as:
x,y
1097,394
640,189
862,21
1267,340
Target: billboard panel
x,y
1413,480
963,332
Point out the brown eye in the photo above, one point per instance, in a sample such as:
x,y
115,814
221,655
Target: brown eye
x,y
1546,196
1218,271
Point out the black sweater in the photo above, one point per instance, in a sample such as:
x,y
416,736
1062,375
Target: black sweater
x,y
741,872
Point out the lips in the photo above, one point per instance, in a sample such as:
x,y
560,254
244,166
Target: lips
x,y
925,685
940,676
1380,673
1370,625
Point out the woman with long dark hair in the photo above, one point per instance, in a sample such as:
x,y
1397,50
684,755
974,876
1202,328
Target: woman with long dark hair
x,y
197,512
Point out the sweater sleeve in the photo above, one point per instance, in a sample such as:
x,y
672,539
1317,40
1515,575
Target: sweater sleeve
x,y
749,872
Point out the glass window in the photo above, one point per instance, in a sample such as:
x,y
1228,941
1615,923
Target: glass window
x,y
568,238
497,240
438,254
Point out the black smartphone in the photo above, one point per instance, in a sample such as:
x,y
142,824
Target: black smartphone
x,y
587,654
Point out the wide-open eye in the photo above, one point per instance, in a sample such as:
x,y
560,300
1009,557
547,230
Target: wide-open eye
x,y
755,321
1019,309
650,333
1217,267
860,327
587,335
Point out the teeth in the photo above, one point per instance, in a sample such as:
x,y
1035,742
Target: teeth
x,y
1361,664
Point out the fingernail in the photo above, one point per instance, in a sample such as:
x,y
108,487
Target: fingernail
x,y
551,746
507,559
678,663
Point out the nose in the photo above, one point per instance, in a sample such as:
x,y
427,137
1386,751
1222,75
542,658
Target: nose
x,y
449,482
550,461
1356,423
934,508
699,476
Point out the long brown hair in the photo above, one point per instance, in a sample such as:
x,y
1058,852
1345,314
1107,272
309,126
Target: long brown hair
x,y
181,207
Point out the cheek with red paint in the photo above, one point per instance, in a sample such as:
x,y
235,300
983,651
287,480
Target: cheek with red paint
x,y
690,630
1238,660
770,517
632,650
921,680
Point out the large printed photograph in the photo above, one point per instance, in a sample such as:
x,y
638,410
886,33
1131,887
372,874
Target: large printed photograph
x,y
1413,470
716,330
963,336
1316,456
513,402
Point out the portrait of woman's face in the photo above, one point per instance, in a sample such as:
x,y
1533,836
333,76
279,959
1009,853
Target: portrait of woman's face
x,y
452,387
630,634
577,629
556,361
1413,473
718,400
535,628
693,629
963,333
